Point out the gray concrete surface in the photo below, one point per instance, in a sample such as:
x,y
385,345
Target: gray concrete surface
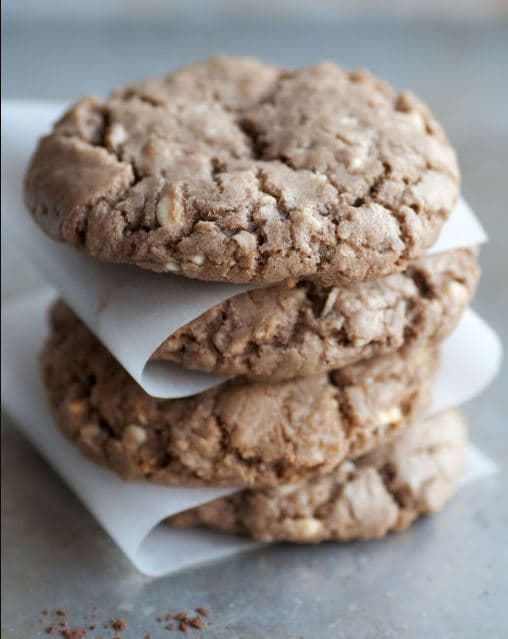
x,y
446,577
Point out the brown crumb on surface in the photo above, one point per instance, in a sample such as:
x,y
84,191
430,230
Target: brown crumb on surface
x,y
178,621
73,633
196,622
204,612
119,625
184,622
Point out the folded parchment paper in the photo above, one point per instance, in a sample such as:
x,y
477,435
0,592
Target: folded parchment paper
x,y
131,512
132,311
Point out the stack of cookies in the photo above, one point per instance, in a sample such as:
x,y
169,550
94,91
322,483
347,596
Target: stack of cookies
x,y
321,189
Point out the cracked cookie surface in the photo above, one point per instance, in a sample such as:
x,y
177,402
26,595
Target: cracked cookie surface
x,y
238,433
278,332
363,499
239,171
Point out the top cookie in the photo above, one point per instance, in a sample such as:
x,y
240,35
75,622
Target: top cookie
x,y
238,171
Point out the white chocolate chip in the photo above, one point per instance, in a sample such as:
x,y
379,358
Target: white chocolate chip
x,y
286,489
348,466
116,135
198,260
170,211
358,342
456,291
389,416
417,120
330,301
246,241
172,266
412,118
359,156
319,177
134,435
348,120
308,527
316,457
356,162
221,340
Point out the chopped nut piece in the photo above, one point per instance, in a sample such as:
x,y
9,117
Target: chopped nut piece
x,y
199,260
245,240
456,291
309,527
348,120
287,489
116,135
330,301
170,211
389,416
172,266
134,435
358,342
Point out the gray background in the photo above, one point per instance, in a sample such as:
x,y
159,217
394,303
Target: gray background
x,y
447,576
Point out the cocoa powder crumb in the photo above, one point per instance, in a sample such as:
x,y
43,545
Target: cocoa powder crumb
x,y
119,625
184,621
196,622
204,612
74,633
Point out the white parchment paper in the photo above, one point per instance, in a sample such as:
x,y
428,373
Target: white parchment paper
x,y
132,512
132,311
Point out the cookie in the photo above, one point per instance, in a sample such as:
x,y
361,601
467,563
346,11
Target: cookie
x,y
364,499
238,433
277,332
239,171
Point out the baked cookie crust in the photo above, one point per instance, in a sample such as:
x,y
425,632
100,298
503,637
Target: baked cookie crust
x,y
239,171
364,499
238,433
281,332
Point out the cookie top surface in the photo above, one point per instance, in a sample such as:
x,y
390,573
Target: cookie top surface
x,y
235,170
364,499
238,433
277,332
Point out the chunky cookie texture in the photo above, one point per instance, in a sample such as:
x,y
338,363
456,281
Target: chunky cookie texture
x,y
238,433
239,171
381,492
279,332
